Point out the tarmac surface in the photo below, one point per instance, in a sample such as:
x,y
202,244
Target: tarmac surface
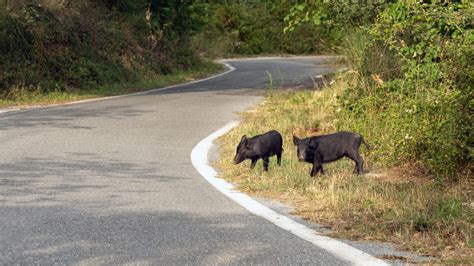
x,y
111,181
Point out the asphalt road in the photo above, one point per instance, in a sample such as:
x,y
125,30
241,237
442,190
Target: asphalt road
x,y
111,181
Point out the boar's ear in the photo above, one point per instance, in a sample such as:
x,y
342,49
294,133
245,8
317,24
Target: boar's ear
x,y
295,140
244,138
312,143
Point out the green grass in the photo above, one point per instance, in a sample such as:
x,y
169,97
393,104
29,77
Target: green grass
x,y
390,204
31,97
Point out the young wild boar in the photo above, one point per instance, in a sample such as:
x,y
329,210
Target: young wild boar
x,y
329,148
261,146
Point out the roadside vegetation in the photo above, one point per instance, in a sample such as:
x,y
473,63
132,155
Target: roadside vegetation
x,y
393,204
408,91
58,50
20,95
61,50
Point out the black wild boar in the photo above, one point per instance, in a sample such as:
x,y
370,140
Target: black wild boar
x,y
329,148
260,146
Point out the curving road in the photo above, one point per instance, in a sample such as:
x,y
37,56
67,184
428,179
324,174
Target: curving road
x,y
111,182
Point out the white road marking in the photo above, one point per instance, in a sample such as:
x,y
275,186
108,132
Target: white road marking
x,y
341,250
282,57
230,69
200,162
8,110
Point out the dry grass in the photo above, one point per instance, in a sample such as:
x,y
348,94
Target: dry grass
x,y
393,205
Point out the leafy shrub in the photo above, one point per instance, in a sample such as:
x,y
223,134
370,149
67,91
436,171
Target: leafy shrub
x,y
87,43
254,28
126,6
332,20
412,92
415,103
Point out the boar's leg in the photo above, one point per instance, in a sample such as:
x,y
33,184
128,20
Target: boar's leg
x,y
254,162
317,166
279,158
359,163
265,163
360,167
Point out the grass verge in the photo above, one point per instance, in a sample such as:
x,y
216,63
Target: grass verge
x,y
411,210
27,96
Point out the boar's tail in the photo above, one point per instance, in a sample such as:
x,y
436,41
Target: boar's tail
x,y
365,143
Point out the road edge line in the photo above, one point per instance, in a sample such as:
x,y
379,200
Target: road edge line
x,y
340,249
230,69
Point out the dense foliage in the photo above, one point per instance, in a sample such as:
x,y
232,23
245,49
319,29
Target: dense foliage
x,y
55,45
333,19
58,45
413,93
255,27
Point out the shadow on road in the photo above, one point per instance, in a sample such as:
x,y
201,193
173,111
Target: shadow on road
x,y
72,237
55,179
67,117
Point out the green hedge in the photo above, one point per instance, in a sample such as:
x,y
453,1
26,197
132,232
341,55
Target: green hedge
x,y
413,97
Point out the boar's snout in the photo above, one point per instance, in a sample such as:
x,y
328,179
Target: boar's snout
x,y
238,158
301,155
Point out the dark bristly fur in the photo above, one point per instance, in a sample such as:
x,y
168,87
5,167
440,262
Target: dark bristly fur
x,y
261,146
329,148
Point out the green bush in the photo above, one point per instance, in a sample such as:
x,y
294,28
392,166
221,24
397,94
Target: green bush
x,y
255,28
332,20
413,95
60,45
46,47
